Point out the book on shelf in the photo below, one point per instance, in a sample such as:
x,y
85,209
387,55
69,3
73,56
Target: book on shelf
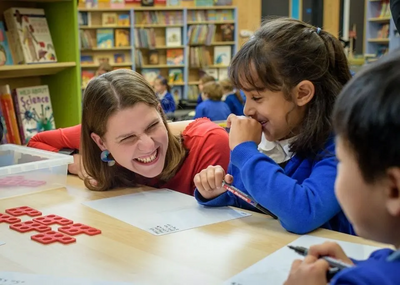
x,y
201,34
117,4
103,59
145,38
159,18
124,20
122,38
385,9
91,4
147,3
30,36
132,1
383,32
87,59
193,93
176,92
5,138
227,32
200,3
150,74
175,57
86,39
87,75
109,19
5,52
199,57
154,57
8,111
209,71
34,111
139,58
119,58
223,2
222,55
105,38
173,3
175,76
223,73
84,18
173,37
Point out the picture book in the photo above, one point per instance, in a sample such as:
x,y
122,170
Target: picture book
x,y
200,3
32,41
222,55
122,38
147,2
117,4
103,59
5,138
92,3
227,31
123,20
119,58
150,74
176,92
173,2
34,111
86,76
223,2
109,19
105,38
87,59
175,76
5,52
173,37
175,57
154,57
8,110
222,73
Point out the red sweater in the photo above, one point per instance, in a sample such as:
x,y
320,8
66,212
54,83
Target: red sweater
x,y
207,143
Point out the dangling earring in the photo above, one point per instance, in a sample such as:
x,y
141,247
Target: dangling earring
x,y
104,157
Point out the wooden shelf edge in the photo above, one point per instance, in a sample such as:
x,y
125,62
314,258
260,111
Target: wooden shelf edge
x,y
161,66
29,70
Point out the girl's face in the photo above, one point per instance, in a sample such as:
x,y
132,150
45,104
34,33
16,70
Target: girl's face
x,y
137,139
159,87
201,84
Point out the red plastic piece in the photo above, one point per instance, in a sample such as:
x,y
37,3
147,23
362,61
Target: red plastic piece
x,y
8,219
13,181
29,226
76,229
25,210
53,219
52,236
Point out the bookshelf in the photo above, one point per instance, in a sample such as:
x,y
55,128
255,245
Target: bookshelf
x,y
151,21
62,77
379,29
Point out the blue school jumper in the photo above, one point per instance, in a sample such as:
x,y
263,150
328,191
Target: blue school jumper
x,y
301,195
214,110
168,103
234,104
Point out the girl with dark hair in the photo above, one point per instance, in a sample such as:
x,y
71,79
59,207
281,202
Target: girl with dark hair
x,y
163,93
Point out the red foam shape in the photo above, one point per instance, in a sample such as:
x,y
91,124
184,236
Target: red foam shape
x,y
76,229
24,210
31,183
53,219
29,226
5,182
52,236
8,219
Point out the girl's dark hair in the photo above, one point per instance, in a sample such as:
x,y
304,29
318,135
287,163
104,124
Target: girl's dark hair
x,y
367,117
281,54
164,82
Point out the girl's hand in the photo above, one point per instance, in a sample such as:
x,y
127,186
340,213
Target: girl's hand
x,y
310,271
209,181
243,129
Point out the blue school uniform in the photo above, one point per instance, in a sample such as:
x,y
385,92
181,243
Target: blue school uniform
x,y
301,195
214,110
234,104
199,99
168,103
377,269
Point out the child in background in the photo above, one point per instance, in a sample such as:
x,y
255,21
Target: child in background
x,y
203,80
212,107
367,123
103,68
232,97
163,93
291,73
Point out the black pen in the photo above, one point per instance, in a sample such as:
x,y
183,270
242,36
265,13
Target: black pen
x,y
332,261
247,198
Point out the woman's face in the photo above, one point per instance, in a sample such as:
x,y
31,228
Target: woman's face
x,y
137,139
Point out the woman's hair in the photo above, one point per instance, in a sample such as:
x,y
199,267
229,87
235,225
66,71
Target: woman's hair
x,y
105,96
227,86
206,78
105,66
164,82
367,117
213,91
281,54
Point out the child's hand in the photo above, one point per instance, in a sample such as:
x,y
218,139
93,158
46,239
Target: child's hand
x,y
243,129
209,181
310,271
331,249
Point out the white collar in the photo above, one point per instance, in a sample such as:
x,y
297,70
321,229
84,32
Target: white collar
x,y
278,151
162,95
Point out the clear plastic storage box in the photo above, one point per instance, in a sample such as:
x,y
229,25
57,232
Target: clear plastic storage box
x,y
25,170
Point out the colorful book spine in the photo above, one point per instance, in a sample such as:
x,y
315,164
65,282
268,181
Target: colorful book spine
x,y
8,110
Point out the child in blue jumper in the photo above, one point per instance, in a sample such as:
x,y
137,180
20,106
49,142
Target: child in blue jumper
x,y
212,107
291,73
367,123
163,93
203,80
232,97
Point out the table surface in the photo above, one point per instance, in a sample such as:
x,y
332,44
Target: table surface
x,y
205,255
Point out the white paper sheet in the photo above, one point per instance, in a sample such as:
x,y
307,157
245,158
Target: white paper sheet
x,y
2,242
15,278
274,269
163,211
